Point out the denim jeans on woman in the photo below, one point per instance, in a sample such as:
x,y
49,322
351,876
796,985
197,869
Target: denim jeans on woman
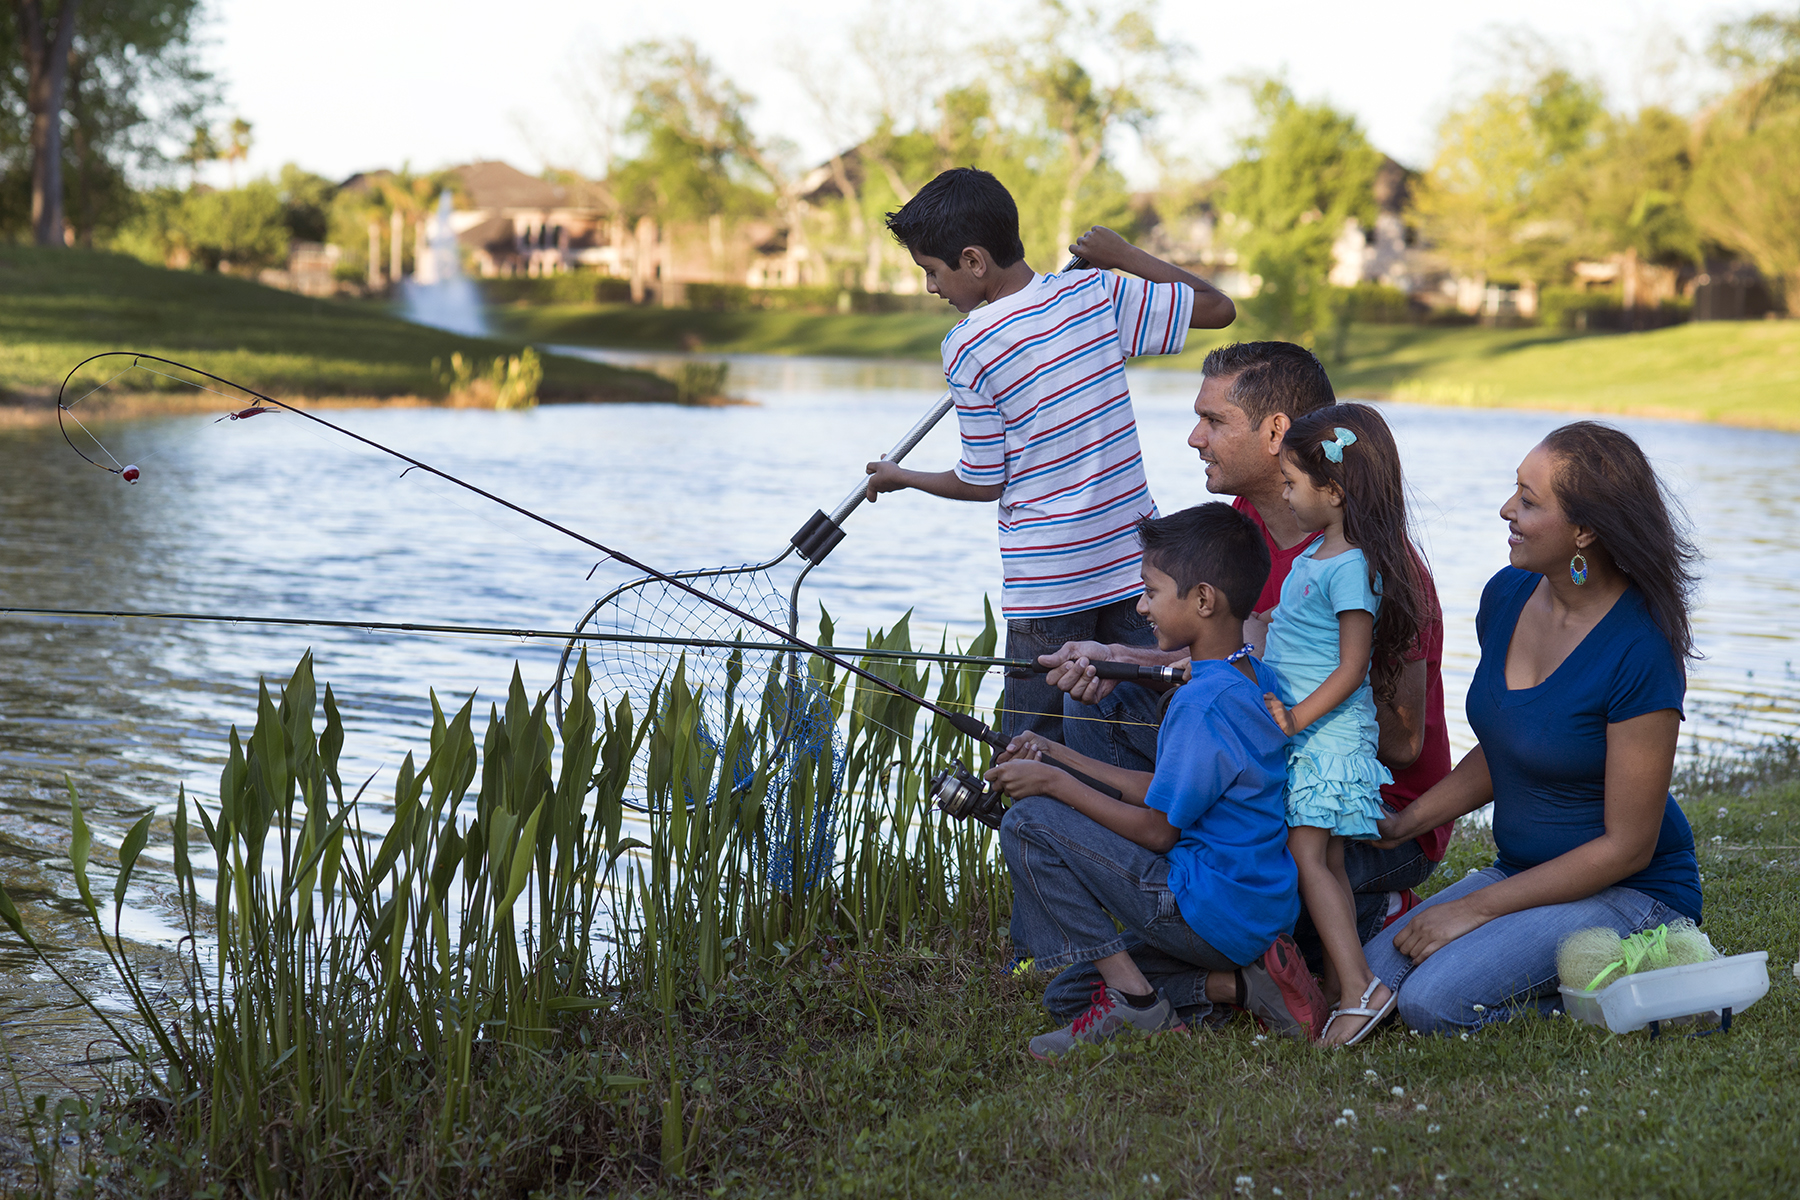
x,y
1506,965
1071,878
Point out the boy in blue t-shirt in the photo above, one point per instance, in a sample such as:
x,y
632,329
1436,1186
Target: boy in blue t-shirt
x,y
1192,859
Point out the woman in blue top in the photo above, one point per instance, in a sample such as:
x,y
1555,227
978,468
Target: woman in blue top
x,y
1576,704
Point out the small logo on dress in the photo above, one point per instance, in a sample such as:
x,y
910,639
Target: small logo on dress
x,y
1307,591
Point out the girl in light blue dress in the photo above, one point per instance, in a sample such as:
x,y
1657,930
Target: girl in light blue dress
x,y
1353,598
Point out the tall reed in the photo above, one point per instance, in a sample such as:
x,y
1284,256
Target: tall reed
x,y
333,975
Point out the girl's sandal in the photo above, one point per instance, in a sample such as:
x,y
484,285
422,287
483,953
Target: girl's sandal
x,y
1375,1015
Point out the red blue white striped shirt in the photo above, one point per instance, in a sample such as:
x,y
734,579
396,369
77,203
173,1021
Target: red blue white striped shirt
x,y
1041,401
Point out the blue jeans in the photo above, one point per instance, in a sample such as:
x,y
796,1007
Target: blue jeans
x,y
1505,966
1029,703
1122,728
1072,877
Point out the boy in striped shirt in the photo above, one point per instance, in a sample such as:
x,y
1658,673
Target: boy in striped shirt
x,y
1038,373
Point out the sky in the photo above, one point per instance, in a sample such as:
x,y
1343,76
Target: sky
x,y
359,84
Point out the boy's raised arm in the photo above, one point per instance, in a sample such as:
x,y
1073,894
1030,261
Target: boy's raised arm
x,y
1103,248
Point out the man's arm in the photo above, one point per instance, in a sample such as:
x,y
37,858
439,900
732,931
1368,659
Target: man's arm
x,y
885,476
1402,719
1071,669
1103,248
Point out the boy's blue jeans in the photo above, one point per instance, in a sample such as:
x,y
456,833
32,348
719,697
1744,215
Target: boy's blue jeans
x,y
1504,966
1121,729
1071,878
1029,703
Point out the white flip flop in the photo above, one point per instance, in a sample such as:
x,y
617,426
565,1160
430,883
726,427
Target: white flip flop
x,y
1376,1015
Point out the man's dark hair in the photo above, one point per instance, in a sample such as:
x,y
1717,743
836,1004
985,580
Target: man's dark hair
x,y
1209,543
962,207
1270,378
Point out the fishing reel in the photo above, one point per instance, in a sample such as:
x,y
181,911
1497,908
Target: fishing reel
x,y
961,793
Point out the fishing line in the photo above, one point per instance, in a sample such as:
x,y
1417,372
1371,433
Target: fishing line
x,y
963,723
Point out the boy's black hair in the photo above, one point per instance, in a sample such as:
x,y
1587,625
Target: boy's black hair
x,y
1209,543
1272,377
962,207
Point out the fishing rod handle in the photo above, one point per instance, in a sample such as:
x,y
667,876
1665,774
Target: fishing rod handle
x,y
1105,669
1105,789
822,532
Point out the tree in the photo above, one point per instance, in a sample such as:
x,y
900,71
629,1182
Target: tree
x,y
92,68
1302,172
1745,192
1633,188
1090,70
1501,198
45,41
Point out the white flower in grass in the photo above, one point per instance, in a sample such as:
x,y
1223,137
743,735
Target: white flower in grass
x,y
1377,1149
1642,1113
1585,1092
1398,1091
1442,1178
1724,812
1581,1110
1340,1122
1433,1128
1480,1008
1245,1183
1418,1108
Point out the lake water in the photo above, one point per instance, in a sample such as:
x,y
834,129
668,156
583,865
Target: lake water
x,y
275,517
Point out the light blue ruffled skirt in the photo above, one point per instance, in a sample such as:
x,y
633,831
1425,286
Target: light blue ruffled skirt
x,y
1337,792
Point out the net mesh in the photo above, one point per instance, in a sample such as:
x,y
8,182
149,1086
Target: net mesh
x,y
785,704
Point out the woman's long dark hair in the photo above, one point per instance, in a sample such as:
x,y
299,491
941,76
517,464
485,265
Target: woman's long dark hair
x,y
1604,483
1374,522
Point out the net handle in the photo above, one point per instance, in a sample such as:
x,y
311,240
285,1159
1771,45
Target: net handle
x,y
901,449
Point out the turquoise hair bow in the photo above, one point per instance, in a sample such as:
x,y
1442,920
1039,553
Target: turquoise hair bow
x,y
1334,450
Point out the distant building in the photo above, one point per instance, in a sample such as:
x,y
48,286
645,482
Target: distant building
x,y
512,223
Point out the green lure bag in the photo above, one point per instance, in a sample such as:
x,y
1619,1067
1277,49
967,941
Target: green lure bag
x,y
1589,959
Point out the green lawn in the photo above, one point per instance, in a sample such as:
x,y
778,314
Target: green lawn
x,y
59,306
1740,373
906,1076
856,335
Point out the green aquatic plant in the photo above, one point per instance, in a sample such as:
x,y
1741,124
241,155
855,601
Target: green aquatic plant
x,y
348,992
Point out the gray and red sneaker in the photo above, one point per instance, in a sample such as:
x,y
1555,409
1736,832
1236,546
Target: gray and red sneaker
x,y
1281,994
1108,1016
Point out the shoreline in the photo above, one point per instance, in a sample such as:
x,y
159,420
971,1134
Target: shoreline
x,y
148,405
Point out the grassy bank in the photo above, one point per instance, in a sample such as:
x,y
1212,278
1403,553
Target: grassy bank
x,y
58,307
859,1037
1740,373
625,326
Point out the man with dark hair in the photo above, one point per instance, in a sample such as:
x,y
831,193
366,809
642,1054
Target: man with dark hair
x,y
1251,393
1038,373
1174,894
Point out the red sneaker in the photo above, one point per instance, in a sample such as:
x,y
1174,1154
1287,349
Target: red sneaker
x,y
1399,904
1281,994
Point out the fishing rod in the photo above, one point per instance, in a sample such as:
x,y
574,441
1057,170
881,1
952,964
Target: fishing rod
x,y
962,722
1106,670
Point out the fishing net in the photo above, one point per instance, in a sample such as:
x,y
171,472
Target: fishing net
x,y
648,628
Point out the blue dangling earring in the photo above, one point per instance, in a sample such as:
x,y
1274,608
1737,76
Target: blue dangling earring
x,y
1578,574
